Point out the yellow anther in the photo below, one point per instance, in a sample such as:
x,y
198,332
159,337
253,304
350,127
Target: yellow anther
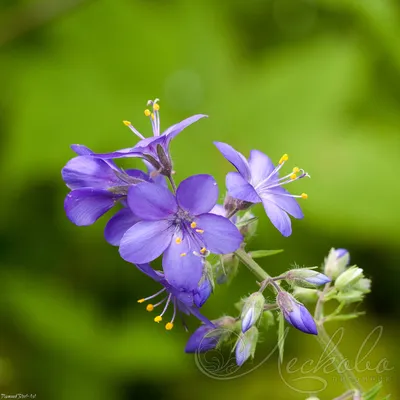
x,y
147,112
152,116
178,240
183,254
149,307
296,170
284,158
203,250
304,196
141,300
193,225
293,177
156,107
158,319
169,326
127,123
200,230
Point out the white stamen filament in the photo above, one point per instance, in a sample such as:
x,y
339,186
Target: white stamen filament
x,y
274,172
154,295
136,132
166,306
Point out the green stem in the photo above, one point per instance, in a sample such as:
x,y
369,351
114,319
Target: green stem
x,y
252,265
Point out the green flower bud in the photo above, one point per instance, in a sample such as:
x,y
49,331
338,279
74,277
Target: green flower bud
x,y
226,268
352,296
363,285
252,310
307,276
349,278
246,345
247,225
336,262
305,294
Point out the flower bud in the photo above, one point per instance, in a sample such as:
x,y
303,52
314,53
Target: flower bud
x,y
246,345
352,296
349,278
247,225
363,285
252,310
305,294
295,313
226,268
336,262
308,276
207,337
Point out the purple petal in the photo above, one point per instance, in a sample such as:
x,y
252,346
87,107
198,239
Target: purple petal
x,y
129,152
118,225
182,268
281,198
151,202
145,241
81,150
146,268
173,130
85,206
218,209
138,174
301,319
220,235
319,279
249,320
85,171
235,158
204,291
260,166
197,194
278,217
203,339
240,189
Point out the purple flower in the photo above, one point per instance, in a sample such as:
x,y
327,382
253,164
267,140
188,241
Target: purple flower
x,y
207,337
96,186
154,149
257,181
180,226
181,300
295,313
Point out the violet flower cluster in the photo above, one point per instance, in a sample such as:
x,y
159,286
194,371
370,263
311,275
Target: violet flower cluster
x,y
198,239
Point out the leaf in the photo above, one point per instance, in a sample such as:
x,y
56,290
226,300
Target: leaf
x,y
264,253
373,392
281,336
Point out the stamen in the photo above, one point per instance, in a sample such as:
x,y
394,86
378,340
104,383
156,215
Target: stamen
x,y
129,125
156,107
193,225
149,307
304,196
284,158
293,177
169,326
203,250
151,297
147,112
178,240
296,170
199,230
152,116
158,319
183,254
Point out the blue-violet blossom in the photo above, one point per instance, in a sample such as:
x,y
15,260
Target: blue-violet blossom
x,y
257,181
180,226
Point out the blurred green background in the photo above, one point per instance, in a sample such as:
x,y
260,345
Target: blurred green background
x,y
319,80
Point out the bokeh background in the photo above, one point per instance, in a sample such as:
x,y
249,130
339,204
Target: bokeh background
x,y
319,80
